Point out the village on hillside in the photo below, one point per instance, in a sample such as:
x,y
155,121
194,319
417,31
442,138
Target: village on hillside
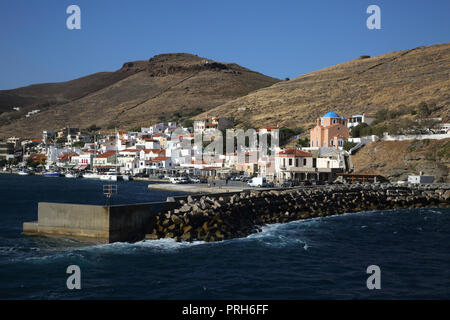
x,y
166,151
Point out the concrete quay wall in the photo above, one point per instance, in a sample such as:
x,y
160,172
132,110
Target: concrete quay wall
x,y
103,224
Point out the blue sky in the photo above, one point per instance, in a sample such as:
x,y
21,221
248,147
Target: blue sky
x,y
278,38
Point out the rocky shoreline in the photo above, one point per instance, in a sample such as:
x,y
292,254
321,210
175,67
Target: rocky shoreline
x,y
221,217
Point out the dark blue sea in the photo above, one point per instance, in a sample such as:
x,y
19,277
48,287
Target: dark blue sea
x,y
323,258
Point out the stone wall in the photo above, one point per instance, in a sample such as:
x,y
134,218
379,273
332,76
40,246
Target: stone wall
x,y
213,218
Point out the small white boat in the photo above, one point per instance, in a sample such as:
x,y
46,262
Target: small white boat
x,y
91,175
114,176
24,173
72,175
110,176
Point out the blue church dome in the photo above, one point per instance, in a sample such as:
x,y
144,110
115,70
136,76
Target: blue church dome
x,y
331,114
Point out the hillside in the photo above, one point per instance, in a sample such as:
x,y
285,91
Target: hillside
x,y
397,159
392,80
166,87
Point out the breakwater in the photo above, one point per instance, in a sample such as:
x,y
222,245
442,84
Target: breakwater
x,y
220,216
225,216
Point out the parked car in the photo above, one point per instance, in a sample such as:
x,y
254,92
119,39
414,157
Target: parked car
x,y
318,183
304,183
174,180
140,175
203,180
287,184
184,179
257,182
194,180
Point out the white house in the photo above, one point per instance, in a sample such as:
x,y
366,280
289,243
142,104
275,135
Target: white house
x,y
421,179
357,119
148,143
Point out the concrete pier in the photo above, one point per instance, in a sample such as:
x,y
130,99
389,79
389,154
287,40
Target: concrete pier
x,y
194,188
103,224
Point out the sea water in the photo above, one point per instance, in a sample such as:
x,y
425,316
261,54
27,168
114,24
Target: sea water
x,y
322,258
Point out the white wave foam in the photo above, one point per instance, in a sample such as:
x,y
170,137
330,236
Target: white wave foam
x,y
159,244
280,234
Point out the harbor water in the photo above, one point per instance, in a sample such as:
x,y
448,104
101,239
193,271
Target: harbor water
x,y
323,258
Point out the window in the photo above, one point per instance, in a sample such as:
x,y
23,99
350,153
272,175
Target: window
x,y
304,162
340,143
290,162
334,120
296,162
331,142
284,162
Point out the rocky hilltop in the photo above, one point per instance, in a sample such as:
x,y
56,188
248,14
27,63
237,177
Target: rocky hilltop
x,y
166,87
393,80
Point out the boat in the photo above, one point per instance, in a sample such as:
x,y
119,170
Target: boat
x,y
72,175
24,173
52,174
112,176
91,175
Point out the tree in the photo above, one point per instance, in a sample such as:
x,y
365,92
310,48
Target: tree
x,y
78,144
382,115
303,142
61,140
135,129
32,163
93,128
287,133
3,162
423,110
13,161
348,145
188,123
361,130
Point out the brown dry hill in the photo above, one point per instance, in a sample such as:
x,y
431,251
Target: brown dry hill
x,y
397,159
168,86
361,85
